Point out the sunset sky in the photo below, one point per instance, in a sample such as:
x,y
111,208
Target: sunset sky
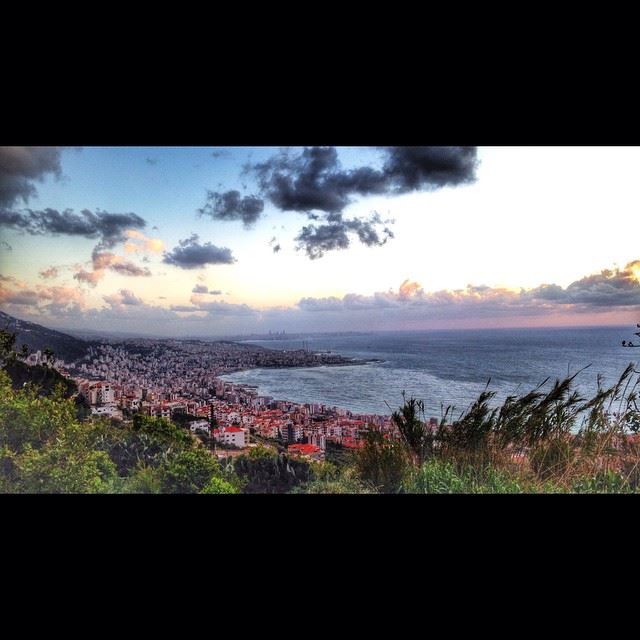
x,y
219,241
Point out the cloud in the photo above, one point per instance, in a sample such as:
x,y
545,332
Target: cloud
x,y
215,308
44,299
106,260
126,268
151,161
313,180
200,288
124,298
232,206
609,288
275,245
89,277
137,242
109,228
413,168
317,240
20,167
20,297
216,292
408,289
220,153
180,308
51,272
190,254
5,245
601,292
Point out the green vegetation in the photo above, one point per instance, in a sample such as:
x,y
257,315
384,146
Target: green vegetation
x,y
541,442
44,448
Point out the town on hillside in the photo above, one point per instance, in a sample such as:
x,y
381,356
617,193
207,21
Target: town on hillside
x,y
181,381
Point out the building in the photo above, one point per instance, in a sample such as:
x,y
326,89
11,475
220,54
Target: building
x,y
200,426
232,435
309,451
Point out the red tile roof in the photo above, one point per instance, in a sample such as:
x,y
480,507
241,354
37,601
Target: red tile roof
x,y
304,448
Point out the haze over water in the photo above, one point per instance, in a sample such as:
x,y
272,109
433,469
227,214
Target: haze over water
x,y
444,367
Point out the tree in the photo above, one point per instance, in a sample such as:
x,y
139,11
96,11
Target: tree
x,y
7,344
189,472
48,355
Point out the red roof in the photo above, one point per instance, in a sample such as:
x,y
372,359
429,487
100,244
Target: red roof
x,y
233,430
305,448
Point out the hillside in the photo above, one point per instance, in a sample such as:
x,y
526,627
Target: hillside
x,y
36,337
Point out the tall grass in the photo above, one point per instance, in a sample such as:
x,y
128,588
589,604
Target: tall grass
x,y
551,440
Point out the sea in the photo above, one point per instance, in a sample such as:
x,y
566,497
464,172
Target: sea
x,y
443,368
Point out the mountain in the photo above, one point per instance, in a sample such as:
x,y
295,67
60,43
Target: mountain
x,y
36,337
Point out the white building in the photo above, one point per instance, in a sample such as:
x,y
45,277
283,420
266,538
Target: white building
x,y
200,425
232,435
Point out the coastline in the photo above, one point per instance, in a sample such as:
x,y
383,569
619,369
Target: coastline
x,y
260,389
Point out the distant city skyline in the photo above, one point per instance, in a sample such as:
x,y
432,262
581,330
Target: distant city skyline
x,y
210,241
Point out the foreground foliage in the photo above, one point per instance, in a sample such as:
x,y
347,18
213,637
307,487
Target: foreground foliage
x,y
44,448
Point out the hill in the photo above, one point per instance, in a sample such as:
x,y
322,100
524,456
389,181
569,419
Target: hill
x,y
36,337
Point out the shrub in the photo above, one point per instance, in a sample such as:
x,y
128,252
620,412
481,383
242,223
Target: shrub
x,y
382,462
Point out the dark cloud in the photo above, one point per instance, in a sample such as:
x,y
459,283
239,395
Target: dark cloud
x,y
220,153
109,228
5,245
190,254
317,240
200,288
274,244
313,180
20,167
232,206
216,292
152,161
413,168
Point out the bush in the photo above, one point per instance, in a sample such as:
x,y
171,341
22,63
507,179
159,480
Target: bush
x,y
189,472
218,485
438,476
266,472
382,462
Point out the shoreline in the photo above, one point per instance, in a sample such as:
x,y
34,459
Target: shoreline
x,y
257,387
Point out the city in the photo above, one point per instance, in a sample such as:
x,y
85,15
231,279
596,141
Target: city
x,y
181,381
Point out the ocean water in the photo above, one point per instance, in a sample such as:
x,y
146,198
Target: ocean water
x,y
444,367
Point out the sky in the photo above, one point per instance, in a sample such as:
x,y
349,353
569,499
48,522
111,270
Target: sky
x,y
211,241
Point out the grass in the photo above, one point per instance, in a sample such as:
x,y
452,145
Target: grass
x,y
552,441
